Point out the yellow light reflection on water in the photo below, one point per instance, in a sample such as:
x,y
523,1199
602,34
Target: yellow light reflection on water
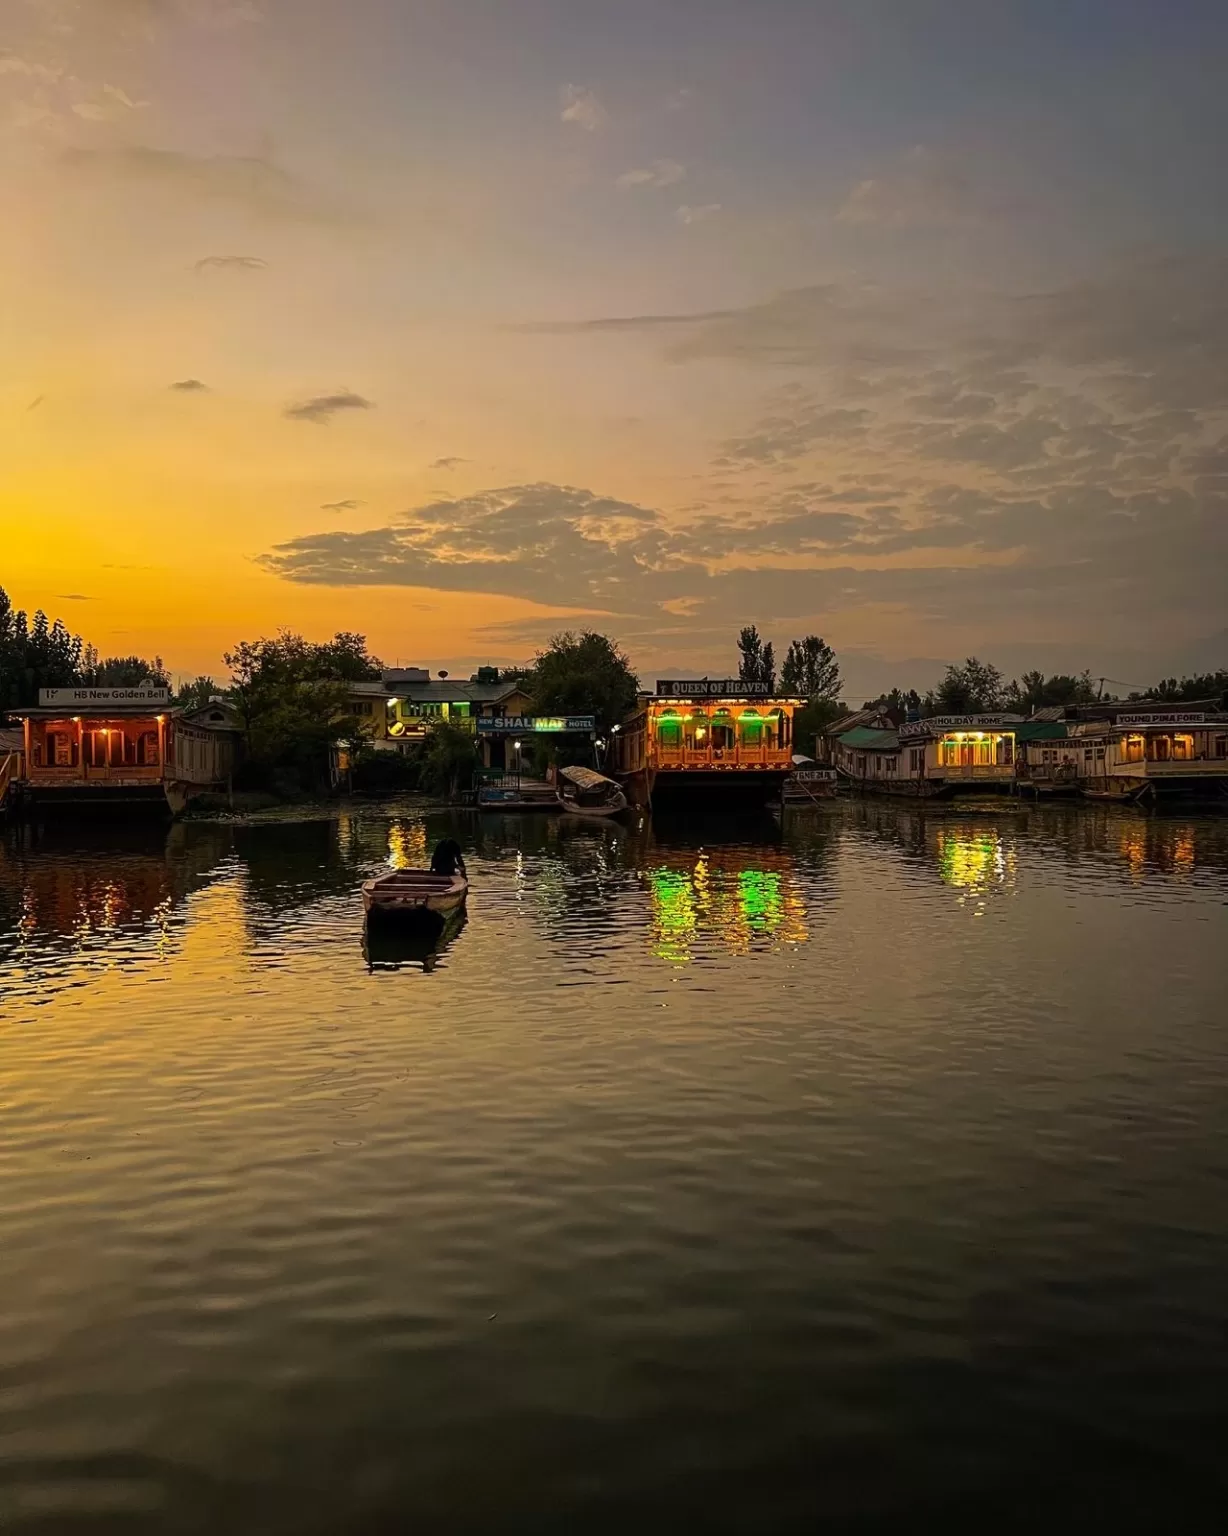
x,y
407,845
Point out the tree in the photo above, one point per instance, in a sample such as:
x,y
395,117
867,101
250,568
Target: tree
x,y
757,668
34,655
293,702
199,692
1180,690
972,689
584,674
813,720
1035,691
123,671
448,760
903,703
811,669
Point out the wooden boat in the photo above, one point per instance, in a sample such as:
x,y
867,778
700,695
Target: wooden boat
x,y
403,892
586,793
525,796
810,782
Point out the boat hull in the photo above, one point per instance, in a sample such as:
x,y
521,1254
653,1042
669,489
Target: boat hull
x,y
407,892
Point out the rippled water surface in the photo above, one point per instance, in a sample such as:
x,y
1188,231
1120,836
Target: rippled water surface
x,y
864,1172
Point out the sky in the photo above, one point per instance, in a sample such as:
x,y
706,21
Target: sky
x,y
461,322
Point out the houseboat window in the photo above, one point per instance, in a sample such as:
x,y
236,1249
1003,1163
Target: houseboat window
x,y
724,733
1183,747
147,749
890,764
1221,746
1087,754
779,728
61,750
1132,750
1159,749
669,728
752,727
916,759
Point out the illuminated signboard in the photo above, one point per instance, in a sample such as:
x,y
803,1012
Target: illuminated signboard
x,y
536,725
1169,717
709,688
937,723
63,697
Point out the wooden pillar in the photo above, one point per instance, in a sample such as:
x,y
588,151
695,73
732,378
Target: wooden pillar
x,y
25,741
80,746
162,747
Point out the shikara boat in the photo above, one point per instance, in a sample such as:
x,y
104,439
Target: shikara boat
x,y
517,796
403,892
583,792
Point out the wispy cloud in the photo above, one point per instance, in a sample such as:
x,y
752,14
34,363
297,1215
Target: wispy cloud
x,y
246,181
73,597
232,264
922,187
35,403
580,106
113,103
450,462
696,213
348,505
189,386
321,409
660,173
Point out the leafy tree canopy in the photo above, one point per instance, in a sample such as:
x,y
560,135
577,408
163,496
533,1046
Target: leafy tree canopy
x,y
757,667
584,674
811,670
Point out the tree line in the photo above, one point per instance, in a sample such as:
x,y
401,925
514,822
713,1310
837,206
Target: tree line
x,y
36,652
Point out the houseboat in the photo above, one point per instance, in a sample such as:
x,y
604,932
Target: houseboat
x,y
705,737
94,749
1144,755
924,759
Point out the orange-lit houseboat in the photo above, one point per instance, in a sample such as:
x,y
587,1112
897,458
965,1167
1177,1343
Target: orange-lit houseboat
x,y
93,749
705,737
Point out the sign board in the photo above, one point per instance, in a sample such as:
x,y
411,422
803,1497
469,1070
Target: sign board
x,y
814,775
1171,717
100,698
708,688
936,724
536,725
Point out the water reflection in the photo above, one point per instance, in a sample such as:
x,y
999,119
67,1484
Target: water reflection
x,y
687,888
417,942
733,898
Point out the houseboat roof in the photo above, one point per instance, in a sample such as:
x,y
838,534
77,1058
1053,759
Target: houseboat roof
x,y
439,691
114,711
1041,730
866,738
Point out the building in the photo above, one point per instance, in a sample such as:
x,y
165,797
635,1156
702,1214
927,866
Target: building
x,y
1143,753
943,755
407,702
703,736
121,748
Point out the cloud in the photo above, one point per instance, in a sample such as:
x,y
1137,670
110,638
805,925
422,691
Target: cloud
x,y
231,264
322,408
696,213
449,462
115,103
923,187
30,69
73,597
246,181
580,106
35,403
660,173
349,505
189,386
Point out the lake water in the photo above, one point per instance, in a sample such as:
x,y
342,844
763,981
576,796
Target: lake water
x,y
867,1172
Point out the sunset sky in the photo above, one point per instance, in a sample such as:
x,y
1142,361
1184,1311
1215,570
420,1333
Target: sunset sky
x,y
461,321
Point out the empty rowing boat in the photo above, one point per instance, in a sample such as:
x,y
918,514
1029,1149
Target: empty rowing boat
x,y
405,891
